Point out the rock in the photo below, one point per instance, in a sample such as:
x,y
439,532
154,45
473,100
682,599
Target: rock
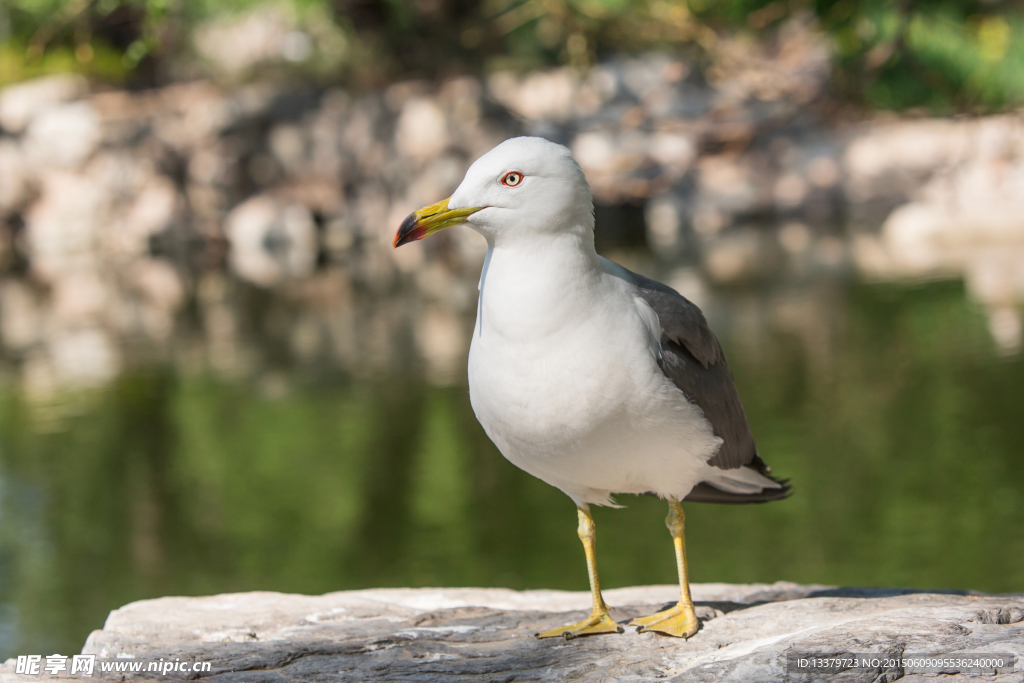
x,y
790,191
153,209
539,95
266,34
421,132
743,254
61,226
15,189
747,634
289,147
995,276
611,160
20,316
72,357
441,339
20,104
158,282
966,223
271,241
160,295
84,358
667,218
63,135
595,152
1007,329
674,150
795,238
79,297
728,184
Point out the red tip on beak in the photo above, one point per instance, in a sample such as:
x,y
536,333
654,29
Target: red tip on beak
x,y
410,231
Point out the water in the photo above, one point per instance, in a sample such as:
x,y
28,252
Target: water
x,y
898,423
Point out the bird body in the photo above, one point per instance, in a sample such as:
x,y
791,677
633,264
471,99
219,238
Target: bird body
x,y
592,378
564,378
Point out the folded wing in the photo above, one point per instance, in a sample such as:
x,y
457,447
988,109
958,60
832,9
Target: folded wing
x,y
693,359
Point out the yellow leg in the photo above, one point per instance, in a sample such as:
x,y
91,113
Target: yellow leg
x,y
681,620
599,620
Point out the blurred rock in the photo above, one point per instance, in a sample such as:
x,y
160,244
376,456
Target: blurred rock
x,y
669,230
63,135
674,150
539,95
727,185
21,317
62,225
421,131
795,238
266,34
271,241
790,191
741,255
1007,329
154,208
961,216
159,296
79,297
595,152
119,209
901,151
16,186
159,283
20,104
442,341
83,358
289,146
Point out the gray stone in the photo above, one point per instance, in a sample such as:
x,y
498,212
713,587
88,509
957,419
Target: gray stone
x,y
20,317
265,35
63,135
743,254
431,634
21,103
271,241
15,189
421,132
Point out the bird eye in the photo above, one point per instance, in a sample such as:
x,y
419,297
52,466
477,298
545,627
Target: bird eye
x,y
512,178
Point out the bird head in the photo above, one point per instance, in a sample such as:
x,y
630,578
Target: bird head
x,y
523,188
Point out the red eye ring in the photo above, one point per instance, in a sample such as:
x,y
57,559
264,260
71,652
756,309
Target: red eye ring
x,y
512,178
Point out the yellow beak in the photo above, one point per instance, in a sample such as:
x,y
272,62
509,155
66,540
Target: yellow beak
x,y
431,219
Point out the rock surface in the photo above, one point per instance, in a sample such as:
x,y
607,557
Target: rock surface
x,y
746,634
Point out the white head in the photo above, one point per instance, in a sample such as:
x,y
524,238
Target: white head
x,y
525,188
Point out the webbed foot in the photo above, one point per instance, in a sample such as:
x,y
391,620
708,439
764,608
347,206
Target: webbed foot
x,y
679,621
596,624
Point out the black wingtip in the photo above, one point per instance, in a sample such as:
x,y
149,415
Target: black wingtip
x,y
706,493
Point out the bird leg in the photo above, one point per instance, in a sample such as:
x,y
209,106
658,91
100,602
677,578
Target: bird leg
x,y
680,620
599,620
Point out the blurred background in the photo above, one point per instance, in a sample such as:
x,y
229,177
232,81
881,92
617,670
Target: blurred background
x,y
216,375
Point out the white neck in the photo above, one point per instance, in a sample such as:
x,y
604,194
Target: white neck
x,y
531,287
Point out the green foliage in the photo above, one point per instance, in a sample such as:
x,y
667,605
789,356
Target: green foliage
x,y
962,56
945,56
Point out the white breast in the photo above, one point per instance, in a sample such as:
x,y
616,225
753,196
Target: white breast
x,y
563,377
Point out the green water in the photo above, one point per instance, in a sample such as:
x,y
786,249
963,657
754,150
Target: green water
x,y
899,425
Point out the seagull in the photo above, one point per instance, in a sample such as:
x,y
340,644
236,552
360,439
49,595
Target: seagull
x,y
590,377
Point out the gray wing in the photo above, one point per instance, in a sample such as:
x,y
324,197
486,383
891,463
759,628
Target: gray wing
x,y
693,359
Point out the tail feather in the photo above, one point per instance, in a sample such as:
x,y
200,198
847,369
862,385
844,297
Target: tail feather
x,y
706,493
